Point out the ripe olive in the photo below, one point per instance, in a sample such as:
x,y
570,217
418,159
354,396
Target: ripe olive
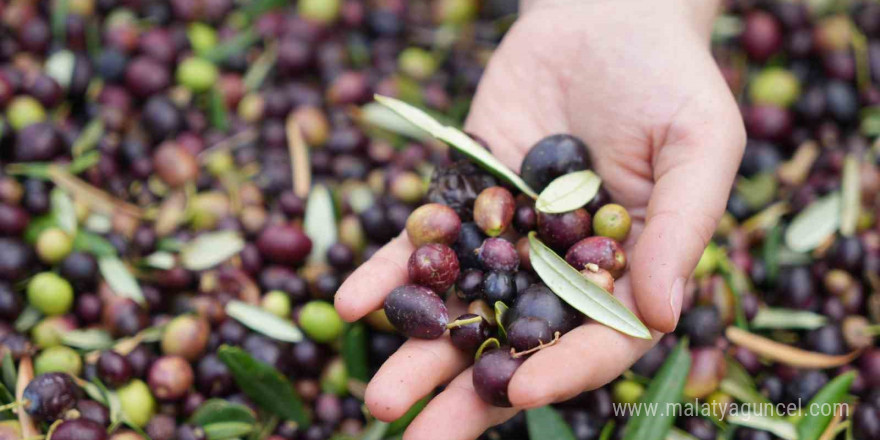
x,y
493,210
561,231
601,251
434,266
433,223
185,336
492,373
170,377
417,312
552,157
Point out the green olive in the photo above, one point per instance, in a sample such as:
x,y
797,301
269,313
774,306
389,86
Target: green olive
x,y
138,405
48,332
201,37
627,391
277,303
320,321
197,74
708,261
53,245
59,359
24,111
334,379
324,11
775,86
612,221
417,63
50,294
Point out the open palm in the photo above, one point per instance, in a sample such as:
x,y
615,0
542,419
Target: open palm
x,y
636,82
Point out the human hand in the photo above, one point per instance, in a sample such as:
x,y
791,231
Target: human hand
x,y
634,80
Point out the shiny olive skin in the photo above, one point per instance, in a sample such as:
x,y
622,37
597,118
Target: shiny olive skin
x,y
552,157
79,429
498,254
561,231
540,302
417,312
492,373
527,332
48,396
434,266
470,336
601,251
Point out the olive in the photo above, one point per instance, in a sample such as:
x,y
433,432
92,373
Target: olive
x,y
434,266
470,238
277,303
526,333
827,339
15,259
49,332
334,378
539,302
123,316
267,351
161,118
417,312
59,359
94,411
492,373
498,254
866,421
321,321
433,223
79,429
10,303
525,218
80,269
48,396
847,253
213,377
702,324
612,221
499,286
24,111
53,245
469,285
561,231
185,336
774,86
493,210
136,402
795,287
175,165
457,186
13,220
190,432
468,337
601,251
145,77
651,361
340,256
161,427
761,35
284,244
50,294
170,377
707,369
554,156
197,74
599,277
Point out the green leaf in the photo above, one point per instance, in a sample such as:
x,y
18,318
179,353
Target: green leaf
x,y
84,162
10,377
6,396
217,112
210,249
812,226
319,222
787,319
161,260
219,410
28,318
259,70
380,116
851,197
771,251
568,192
739,384
63,210
678,434
120,279
37,226
500,311
458,140
400,425
778,427
265,385
819,412
36,170
354,352
376,430
88,138
233,46
94,244
665,389
262,321
545,422
59,10
607,430
227,430
580,293
254,9
87,339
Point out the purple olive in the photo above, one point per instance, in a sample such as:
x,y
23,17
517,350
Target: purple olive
x,y
527,332
552,157
599,277
469,337
560,231
601,251
540,302
79,429
492,373
498,254
284,244
417,312
434,266
170,377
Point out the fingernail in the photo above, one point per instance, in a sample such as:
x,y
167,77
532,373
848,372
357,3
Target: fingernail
x,y
675,297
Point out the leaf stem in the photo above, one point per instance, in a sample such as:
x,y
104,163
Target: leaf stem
x,y
541,345
463,322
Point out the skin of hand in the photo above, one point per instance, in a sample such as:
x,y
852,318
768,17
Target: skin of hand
x,y
636,81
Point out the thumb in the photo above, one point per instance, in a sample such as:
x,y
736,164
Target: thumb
x,y
693,173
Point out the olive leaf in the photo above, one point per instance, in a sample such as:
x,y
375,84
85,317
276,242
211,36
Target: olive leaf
x,y
786,319
354,352
9,374
812,226
227,430
261,321
211,249
569,192
231,47
37,226
28,318
88,138
666,388
58,20
585,296
458,140
120,279
850,195
63,210
376,430
265,385
739,384
217,112
607,430
786,354
831,395
500,311
91,243
771,251
161,260
380,116
778,427
319,222
87,339
678,434
259,69
545,422
400,425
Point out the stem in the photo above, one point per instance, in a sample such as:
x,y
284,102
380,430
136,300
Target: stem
x,y
12,405
463,322
541,346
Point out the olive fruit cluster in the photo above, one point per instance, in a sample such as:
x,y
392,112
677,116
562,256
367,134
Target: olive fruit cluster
x,y
477,247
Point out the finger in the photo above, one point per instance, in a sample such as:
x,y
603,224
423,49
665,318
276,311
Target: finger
x,y
596,353
693,172
457,413
411,373
365,290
